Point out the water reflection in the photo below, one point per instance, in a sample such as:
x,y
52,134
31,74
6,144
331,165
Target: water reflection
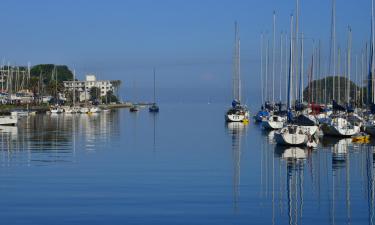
x,y
236,130
44,139
337,180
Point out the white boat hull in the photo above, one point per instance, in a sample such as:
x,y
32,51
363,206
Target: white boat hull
x,y
333,130
272,125
84,110
8,120
95,110
291,135
340,127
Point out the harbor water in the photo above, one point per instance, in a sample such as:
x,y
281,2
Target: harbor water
x,y
184,165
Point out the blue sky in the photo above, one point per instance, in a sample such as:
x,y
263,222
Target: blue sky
x,y
190,42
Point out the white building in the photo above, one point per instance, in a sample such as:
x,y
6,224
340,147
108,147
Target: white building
x,y
83,87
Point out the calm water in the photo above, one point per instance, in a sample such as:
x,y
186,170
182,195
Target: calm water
x,y
182,166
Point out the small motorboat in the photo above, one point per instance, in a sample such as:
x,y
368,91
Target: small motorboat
x,y
134,108
56,110
95,109
153,108
361,138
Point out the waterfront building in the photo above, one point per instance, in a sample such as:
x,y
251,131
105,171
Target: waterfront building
x,y
83,87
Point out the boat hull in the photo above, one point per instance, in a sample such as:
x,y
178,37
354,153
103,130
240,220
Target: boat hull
x,y
8,120
290,139
272,125
332,130
236,118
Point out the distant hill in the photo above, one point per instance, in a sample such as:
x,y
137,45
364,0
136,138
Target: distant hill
x,y
325,85
45,71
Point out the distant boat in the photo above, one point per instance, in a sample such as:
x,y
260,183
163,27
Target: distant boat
x,y
95,109
84,110
8,120
238,112
154,107
56,110
19,113
134,108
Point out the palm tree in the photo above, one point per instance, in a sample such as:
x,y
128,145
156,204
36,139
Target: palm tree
x,y
116,85
34,86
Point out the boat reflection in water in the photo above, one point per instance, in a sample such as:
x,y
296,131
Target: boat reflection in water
x,y
340,148
293,158
237,131
55,138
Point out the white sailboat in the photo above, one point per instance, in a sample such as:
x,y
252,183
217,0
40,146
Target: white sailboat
x,y
56,109
291,135
274,122
238,112
340,127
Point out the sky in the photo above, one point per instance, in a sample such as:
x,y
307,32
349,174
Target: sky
x,y
189,42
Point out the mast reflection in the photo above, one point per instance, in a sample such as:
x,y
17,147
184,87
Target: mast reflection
x,y
55,138
236,130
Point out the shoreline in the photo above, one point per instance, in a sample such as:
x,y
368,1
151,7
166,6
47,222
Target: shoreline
x,y
7,109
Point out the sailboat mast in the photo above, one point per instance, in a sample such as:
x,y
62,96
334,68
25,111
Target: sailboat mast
x,y
154,88
273,56
333,46
74,87
349,62
290,78
372,69
236,78
296,40
339,75
301,72
261,66
356,79
267,66
281,64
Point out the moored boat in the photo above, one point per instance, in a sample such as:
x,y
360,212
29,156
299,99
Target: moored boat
x,y
8,120
340,127
291,135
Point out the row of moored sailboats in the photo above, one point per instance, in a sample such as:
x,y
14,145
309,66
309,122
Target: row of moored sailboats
x,y
300,123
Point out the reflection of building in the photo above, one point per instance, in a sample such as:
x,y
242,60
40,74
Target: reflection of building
x,y
83,87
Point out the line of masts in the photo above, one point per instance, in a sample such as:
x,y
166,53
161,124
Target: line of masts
x,y
339,74
14,78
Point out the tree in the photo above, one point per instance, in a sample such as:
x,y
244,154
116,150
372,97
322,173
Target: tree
x,y
94,93
109,97
116,84
54,88
69,96
34,86
45,71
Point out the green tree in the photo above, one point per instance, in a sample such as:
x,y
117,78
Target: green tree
x,y
46,71
54,88
94,93
109,97
116,84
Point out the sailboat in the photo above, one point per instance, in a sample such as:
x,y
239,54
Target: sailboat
x,y
56,109
134,107
154,107
238,112
291,134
